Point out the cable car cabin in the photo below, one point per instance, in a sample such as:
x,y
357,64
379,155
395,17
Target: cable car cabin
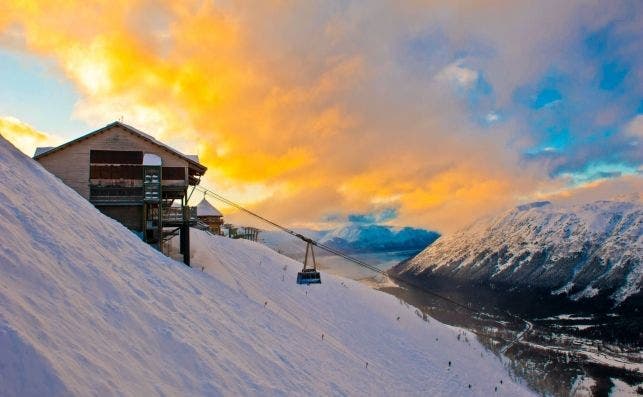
x,y
309,276
133,178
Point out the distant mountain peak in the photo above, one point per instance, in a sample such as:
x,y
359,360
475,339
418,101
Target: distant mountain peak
x,y
595,247
535,204
355,237
358,237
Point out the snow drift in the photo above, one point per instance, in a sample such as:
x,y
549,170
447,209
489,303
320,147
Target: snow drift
x,y
86,308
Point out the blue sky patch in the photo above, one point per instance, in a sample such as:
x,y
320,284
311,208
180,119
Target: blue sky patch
x,y
32,90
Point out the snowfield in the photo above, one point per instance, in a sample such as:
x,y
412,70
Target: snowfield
x,y
86,308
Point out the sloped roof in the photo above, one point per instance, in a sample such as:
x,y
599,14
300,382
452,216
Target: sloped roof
x,y
43,149
204,208
41,152
193,157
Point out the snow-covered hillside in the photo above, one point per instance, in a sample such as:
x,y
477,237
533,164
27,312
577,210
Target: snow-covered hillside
x,y
580,250
86,308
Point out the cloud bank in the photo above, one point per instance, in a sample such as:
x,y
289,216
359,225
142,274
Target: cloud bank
x,y
306,109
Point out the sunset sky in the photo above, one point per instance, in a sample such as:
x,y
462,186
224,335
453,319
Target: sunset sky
x,y
313,112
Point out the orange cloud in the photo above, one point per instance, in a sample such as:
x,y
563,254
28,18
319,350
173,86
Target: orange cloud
x,y
297,112
23,136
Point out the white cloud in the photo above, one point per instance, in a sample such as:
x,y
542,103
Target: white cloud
x,y
492,117
458,74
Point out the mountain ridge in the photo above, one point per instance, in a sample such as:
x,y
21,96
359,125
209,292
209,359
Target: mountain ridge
x,y
355,238
580,251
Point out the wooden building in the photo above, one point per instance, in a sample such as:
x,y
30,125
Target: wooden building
x,y
240,232
210,216
131,177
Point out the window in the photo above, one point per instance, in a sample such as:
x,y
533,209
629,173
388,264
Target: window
x,y
115,157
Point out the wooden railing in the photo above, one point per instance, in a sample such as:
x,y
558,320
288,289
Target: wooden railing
x,y
175,214
115,193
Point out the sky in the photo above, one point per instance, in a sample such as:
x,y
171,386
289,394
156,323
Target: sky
x,y
415,113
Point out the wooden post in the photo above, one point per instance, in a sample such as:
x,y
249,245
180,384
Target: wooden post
x,y
144,222
186,249
181,240
160,226
185,229
160,207
181,230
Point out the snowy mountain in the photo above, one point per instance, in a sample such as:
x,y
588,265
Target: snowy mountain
x,y
583,252
86,308
355,238
375,238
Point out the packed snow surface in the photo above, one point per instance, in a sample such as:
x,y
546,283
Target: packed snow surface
x,y
86,308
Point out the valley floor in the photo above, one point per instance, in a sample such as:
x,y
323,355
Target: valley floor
x,y
555,355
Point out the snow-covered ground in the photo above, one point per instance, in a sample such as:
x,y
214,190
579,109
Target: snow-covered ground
x,y
86,308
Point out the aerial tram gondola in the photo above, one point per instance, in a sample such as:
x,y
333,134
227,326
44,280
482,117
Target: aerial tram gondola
x,y
308,275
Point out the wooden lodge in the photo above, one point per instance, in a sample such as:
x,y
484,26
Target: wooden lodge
x,y
209,216
133,178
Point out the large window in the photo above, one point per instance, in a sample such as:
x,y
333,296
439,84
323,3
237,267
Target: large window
x,y
174,173
115,157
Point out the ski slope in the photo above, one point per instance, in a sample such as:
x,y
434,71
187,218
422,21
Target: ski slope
x,y
86,308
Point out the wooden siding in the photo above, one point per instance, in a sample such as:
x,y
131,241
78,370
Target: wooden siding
x,y
130,216
116,172
71,164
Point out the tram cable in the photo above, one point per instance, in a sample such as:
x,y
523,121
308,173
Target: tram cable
x,y
310,243
336,252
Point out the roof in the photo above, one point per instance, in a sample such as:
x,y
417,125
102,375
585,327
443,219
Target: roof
x,y
204,208
41,150
191,159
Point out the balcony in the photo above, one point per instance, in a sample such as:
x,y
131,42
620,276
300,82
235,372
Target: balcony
x,y
115,195
174,215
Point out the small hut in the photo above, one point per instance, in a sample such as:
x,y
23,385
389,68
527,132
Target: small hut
x,y
210,216
240,232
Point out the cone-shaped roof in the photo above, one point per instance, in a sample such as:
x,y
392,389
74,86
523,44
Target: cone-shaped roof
x,y
204,208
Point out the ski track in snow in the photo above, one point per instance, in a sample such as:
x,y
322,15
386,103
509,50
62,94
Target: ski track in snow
x,y
86,308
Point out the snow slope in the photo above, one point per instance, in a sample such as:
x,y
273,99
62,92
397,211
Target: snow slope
x,y
580,250
86,308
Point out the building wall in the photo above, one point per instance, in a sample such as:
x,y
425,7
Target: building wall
x,y
131,216
71,164
214,222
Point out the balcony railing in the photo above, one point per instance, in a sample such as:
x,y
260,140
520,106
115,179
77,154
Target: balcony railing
x,y
175,214
115,193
